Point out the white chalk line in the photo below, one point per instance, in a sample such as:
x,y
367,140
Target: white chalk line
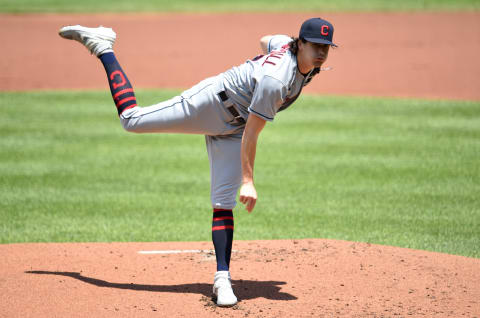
x,y
176,252
180,252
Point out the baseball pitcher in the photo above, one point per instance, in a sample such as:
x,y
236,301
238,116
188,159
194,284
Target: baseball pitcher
x,y
230,109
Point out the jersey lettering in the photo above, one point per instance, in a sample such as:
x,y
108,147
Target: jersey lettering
x,y
274,55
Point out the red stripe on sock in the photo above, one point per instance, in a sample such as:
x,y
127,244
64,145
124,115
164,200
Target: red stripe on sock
x,y
223,218
123,91
131,106
223,227
123,101
219,210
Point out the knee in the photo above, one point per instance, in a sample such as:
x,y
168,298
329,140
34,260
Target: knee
x,y
224,198
128,125
129,122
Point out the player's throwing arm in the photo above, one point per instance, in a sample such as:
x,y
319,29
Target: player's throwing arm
x,y
248,194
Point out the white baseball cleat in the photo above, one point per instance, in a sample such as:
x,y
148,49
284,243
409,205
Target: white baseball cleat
x,y
222,289
97,40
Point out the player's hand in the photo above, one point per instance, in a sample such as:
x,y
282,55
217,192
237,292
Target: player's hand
x,y
248,196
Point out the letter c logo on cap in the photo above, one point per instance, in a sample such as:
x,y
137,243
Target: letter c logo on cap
x,y
324,30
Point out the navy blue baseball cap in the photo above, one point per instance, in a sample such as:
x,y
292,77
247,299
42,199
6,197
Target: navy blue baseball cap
x,y
317,30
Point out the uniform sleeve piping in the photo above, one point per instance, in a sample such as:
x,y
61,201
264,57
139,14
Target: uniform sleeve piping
x,y
260,115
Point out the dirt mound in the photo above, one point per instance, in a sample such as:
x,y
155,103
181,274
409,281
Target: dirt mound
x,y
286,278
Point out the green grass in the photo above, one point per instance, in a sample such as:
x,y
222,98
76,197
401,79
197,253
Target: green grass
x,y
23,6
387,171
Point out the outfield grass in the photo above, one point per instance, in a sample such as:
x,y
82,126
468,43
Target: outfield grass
x,y
387,171
22,6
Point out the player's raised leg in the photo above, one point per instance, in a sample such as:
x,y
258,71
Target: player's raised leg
x,y
99,41
198,110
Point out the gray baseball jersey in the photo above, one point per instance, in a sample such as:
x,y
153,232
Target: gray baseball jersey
x,y
261,86
268,83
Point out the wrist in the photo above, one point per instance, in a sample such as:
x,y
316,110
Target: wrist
x,y
247,181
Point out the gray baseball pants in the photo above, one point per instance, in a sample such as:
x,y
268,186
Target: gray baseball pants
x,y
199,110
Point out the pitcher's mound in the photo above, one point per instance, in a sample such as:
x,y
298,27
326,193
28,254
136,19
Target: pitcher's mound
x,y
286,278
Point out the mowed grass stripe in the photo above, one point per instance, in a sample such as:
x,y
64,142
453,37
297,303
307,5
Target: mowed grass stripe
x,y
65,6
387,171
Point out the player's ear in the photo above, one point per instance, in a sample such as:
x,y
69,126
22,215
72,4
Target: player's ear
x,y
300,44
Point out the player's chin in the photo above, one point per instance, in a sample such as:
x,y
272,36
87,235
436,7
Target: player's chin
x,y
318,62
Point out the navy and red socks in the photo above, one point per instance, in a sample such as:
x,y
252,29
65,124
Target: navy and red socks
x,y
222,237
120,87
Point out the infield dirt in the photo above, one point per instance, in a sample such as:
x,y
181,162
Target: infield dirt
x,y
406,55
290,278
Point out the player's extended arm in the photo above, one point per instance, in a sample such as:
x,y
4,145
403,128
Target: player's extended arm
x,y
248,194
264,43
